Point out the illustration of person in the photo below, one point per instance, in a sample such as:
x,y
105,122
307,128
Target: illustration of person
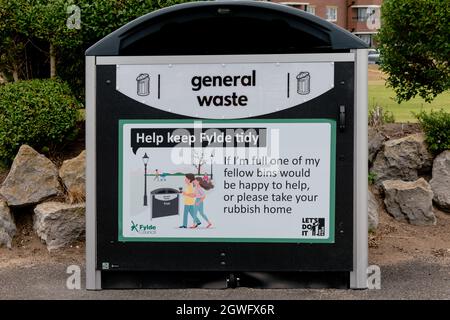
x,y
205,177
200,185
189,201
157,175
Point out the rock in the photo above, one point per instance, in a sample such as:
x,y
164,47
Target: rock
x,y
410,201
73,175
402,159
373,208
375,142
32,179
7,226
440,183
59,224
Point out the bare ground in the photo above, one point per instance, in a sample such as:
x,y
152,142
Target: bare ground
x,y
399,130
28,250
396,242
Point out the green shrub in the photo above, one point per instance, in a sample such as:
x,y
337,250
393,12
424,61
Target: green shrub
x,y
36,112
436,125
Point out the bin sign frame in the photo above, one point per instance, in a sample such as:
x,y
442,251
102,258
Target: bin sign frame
x,y
345,105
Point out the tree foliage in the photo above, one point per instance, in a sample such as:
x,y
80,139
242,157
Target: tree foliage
x,y
15,16
414,43
39,25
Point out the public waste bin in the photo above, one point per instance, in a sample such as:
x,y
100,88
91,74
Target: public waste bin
x,y
270,101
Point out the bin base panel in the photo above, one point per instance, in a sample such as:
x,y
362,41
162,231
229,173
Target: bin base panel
x,y
223,280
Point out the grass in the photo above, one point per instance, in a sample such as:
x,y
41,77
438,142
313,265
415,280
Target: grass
x,y
379,94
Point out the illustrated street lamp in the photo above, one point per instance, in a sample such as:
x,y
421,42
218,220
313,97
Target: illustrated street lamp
x,y
145,160
212,156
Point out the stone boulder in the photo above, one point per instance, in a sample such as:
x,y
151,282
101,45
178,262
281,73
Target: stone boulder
x,y
59,224
410,201
73,175
7,226
373,209
32,179
375,142
402,159
440,183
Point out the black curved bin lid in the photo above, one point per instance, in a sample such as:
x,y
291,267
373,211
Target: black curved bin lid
x,y
165,191
226,27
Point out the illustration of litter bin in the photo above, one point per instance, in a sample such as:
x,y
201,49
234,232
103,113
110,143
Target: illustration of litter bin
x,y
143,84
303,83
165,203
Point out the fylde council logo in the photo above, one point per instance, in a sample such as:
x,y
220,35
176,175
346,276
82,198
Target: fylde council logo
x,y
143,228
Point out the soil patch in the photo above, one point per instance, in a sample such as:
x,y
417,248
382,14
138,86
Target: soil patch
x,y
399,130
395,241
28,250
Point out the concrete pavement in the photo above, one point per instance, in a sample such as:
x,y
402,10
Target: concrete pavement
x,y
415,279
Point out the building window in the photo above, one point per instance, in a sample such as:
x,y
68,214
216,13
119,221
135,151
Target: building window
x,y
363,14
332,14
311,9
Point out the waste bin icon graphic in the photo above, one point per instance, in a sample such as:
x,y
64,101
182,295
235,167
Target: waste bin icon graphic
x,y
165,203
303,83
143,84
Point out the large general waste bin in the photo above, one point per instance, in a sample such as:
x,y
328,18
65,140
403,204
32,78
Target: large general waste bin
x,y
265,107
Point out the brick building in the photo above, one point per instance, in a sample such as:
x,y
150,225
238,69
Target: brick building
x,y
361,17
